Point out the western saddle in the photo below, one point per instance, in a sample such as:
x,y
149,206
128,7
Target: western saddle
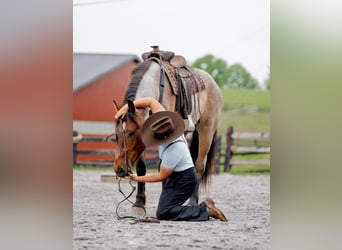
x,y
184,82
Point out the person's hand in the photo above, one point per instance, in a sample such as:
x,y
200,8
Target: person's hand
x,y
132,177
122,111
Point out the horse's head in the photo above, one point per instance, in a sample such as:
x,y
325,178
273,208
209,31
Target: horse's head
x,y
129,142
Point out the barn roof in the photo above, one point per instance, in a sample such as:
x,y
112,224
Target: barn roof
x,y
88,67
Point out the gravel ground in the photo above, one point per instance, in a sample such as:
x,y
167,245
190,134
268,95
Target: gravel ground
x,y
245,200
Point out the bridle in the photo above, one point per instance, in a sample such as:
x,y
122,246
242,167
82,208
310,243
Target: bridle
x,y
122,134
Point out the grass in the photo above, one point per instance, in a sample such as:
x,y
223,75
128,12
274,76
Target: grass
x,y
247,111
241,98
246,122
250,170
77,167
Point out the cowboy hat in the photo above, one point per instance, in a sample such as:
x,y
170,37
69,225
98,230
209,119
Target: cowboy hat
x,y
162,127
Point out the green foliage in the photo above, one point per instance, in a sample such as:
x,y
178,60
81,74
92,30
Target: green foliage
x,y
235,76
217,68
239,77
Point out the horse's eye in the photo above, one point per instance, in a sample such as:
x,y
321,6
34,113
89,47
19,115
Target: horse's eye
x,y
131,134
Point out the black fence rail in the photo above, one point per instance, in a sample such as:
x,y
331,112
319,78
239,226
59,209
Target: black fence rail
x,y
100,162
152,159
245,143
224,153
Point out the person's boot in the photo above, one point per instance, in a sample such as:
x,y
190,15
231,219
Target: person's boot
x,y
214,211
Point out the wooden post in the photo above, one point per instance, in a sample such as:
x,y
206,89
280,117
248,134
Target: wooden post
x,y
218,153
74,156
74,149
228,155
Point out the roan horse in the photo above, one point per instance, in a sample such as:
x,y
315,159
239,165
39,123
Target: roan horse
x,y
154,77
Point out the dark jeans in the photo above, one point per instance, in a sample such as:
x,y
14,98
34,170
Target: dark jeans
x,y
177,188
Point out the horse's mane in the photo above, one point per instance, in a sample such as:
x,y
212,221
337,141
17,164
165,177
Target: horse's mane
x,y
136,76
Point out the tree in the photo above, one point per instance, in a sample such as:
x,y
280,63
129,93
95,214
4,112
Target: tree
x,y
216,67
239,77
235,76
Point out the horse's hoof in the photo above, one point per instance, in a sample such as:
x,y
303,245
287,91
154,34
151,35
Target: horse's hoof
x,y
138,210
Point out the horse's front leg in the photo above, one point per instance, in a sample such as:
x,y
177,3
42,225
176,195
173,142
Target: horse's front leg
x,y
140,200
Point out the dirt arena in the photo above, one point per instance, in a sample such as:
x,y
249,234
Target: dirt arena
x,y
245,200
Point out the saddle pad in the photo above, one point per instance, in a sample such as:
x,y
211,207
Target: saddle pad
x,y
189,77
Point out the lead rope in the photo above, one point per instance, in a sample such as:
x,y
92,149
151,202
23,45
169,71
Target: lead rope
x,y
126,198
136,219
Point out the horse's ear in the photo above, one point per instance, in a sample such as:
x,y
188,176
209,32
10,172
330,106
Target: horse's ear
x,y
131,107
116,106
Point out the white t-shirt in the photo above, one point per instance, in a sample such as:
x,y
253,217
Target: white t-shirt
x,y
176,156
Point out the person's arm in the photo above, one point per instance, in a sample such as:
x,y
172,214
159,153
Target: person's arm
x,y
143,102
162,175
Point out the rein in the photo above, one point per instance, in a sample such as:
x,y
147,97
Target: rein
x,y
126,198
136,219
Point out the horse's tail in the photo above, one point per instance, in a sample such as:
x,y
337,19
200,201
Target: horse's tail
x,y
211,160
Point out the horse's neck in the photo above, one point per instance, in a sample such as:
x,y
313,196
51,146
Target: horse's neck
x,y
150,85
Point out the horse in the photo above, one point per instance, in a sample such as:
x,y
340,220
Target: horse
x,y
152,78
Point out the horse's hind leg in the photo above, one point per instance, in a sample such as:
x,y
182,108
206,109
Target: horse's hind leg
x,y
199,165
194,197
140,200
194,153
206,131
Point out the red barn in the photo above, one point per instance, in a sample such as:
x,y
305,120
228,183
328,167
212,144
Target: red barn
x,y
97,80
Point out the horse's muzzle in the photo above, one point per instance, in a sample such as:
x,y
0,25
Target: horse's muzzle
x,y
121,172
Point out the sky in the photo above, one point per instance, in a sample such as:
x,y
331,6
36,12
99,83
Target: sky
x,y
237,31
